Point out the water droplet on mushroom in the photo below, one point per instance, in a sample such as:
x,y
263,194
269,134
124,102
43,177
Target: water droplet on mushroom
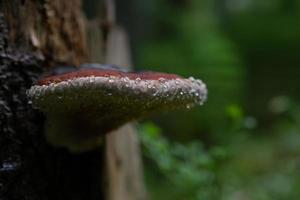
x,y
199,82
137,80
92,79
52,89
161,79
111,80
192,79
192,91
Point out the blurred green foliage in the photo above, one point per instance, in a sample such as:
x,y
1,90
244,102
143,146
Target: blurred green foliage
x,y
192,44
188,168
245,142
264,167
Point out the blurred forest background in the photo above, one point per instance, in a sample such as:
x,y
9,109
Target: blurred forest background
x,y
244,143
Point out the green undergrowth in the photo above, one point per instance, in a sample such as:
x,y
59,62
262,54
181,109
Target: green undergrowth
x,y
256,164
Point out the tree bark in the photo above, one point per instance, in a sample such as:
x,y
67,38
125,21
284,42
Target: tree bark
x,y
36,35
123,162
122,146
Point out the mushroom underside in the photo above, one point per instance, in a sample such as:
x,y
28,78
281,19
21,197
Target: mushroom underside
x,y
82,109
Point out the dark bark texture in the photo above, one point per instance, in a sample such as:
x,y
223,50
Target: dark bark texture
x,y
36,35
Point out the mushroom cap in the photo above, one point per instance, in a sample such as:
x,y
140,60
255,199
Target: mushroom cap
x,y
83,104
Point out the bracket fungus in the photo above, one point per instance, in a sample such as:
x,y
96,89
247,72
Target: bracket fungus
x,y
84,104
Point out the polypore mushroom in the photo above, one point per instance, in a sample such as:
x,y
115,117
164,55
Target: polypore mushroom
x,y
82,105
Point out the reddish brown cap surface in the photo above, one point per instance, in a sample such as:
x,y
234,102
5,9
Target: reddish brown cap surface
x,y
105,73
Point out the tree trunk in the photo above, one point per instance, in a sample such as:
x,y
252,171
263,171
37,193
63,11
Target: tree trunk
x,y
122,146
35,36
